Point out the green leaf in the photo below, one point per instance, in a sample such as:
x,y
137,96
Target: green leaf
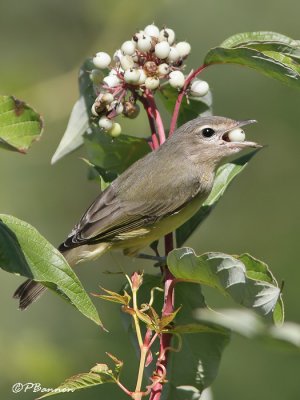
x,y
201,351
111,157
98,375
20,125
224,176
23,250
229,275
270,53
248,324
189,109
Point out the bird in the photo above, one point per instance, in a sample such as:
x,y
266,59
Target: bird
x,y
153,197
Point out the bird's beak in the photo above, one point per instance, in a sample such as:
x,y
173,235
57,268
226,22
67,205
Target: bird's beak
x,y
239,144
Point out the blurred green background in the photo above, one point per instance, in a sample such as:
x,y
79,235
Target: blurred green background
x,y
42,45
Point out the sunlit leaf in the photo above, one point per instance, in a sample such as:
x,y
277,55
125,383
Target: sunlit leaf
x,y
98,375
20,125
24,251
270,53
250,325
73,136
229,275
224,176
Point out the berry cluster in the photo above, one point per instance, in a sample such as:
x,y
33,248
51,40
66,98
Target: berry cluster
x,y
152,57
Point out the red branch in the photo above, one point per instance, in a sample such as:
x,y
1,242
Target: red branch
x,y
181,95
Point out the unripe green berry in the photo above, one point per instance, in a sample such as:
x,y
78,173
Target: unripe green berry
x,y
152,30
152,83
115,130
167,35
183,48
162,50
132,76
105,123
199,88
128,47
176,79
102,60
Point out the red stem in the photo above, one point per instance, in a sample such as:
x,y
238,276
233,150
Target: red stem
x,y
181,95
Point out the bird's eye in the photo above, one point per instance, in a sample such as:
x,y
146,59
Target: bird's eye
x,y
208,132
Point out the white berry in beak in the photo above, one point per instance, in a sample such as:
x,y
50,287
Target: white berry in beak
x,y
236,135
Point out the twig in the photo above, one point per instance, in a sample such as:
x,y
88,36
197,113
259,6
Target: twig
x,y
181,95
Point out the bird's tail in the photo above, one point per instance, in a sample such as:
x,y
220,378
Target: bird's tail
x,y
28,292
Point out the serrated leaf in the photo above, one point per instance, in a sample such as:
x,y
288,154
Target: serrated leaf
x,y
227,274
224,176
34,257
73,136
250,325
270,53
82,381
113,156
189,109
20,125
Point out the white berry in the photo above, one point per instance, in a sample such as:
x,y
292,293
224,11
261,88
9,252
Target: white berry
x,y
176,79
152,30
236,135
199,88
144,43
163,69
127,62
117,55
174,55
167,35
132,76
107,98
93,110
111,80
105,123
162,50
183,48
152,83
143,77
128,47
102,60
115,130
118,107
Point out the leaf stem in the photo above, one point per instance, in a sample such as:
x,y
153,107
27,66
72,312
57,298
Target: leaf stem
x,y
136,319
181,94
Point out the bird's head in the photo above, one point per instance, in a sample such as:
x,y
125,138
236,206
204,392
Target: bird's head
x,y
211,139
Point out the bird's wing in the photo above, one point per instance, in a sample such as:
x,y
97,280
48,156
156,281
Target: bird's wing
x,y
111,215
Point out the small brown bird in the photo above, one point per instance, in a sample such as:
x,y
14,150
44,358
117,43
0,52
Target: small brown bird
x,y
153,197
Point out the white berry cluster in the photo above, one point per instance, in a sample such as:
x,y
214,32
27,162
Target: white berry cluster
x,y
152,57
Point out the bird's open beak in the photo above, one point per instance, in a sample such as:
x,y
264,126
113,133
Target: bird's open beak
x,y
239,144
